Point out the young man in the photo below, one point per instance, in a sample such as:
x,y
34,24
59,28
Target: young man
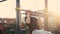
x,y
31,22
40,23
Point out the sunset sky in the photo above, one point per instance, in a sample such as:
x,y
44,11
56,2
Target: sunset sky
x,y
7,8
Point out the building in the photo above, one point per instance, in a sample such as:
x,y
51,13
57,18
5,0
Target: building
x,y
7,20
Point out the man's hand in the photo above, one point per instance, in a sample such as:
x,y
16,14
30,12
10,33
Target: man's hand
x,y
28,20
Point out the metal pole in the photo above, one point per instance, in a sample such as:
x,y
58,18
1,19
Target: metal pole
x,y
46,15
17,17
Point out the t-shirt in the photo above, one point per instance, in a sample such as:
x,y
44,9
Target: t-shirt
x,y
41,31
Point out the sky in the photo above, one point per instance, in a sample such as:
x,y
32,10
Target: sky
x,y
7,8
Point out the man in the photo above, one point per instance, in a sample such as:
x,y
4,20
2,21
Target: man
x,y
31,22
40,23
41,31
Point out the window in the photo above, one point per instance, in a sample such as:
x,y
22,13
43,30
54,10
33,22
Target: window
x,y
0,21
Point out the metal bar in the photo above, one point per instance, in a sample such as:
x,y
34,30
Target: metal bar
x,y
39,10
46,15
17,17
